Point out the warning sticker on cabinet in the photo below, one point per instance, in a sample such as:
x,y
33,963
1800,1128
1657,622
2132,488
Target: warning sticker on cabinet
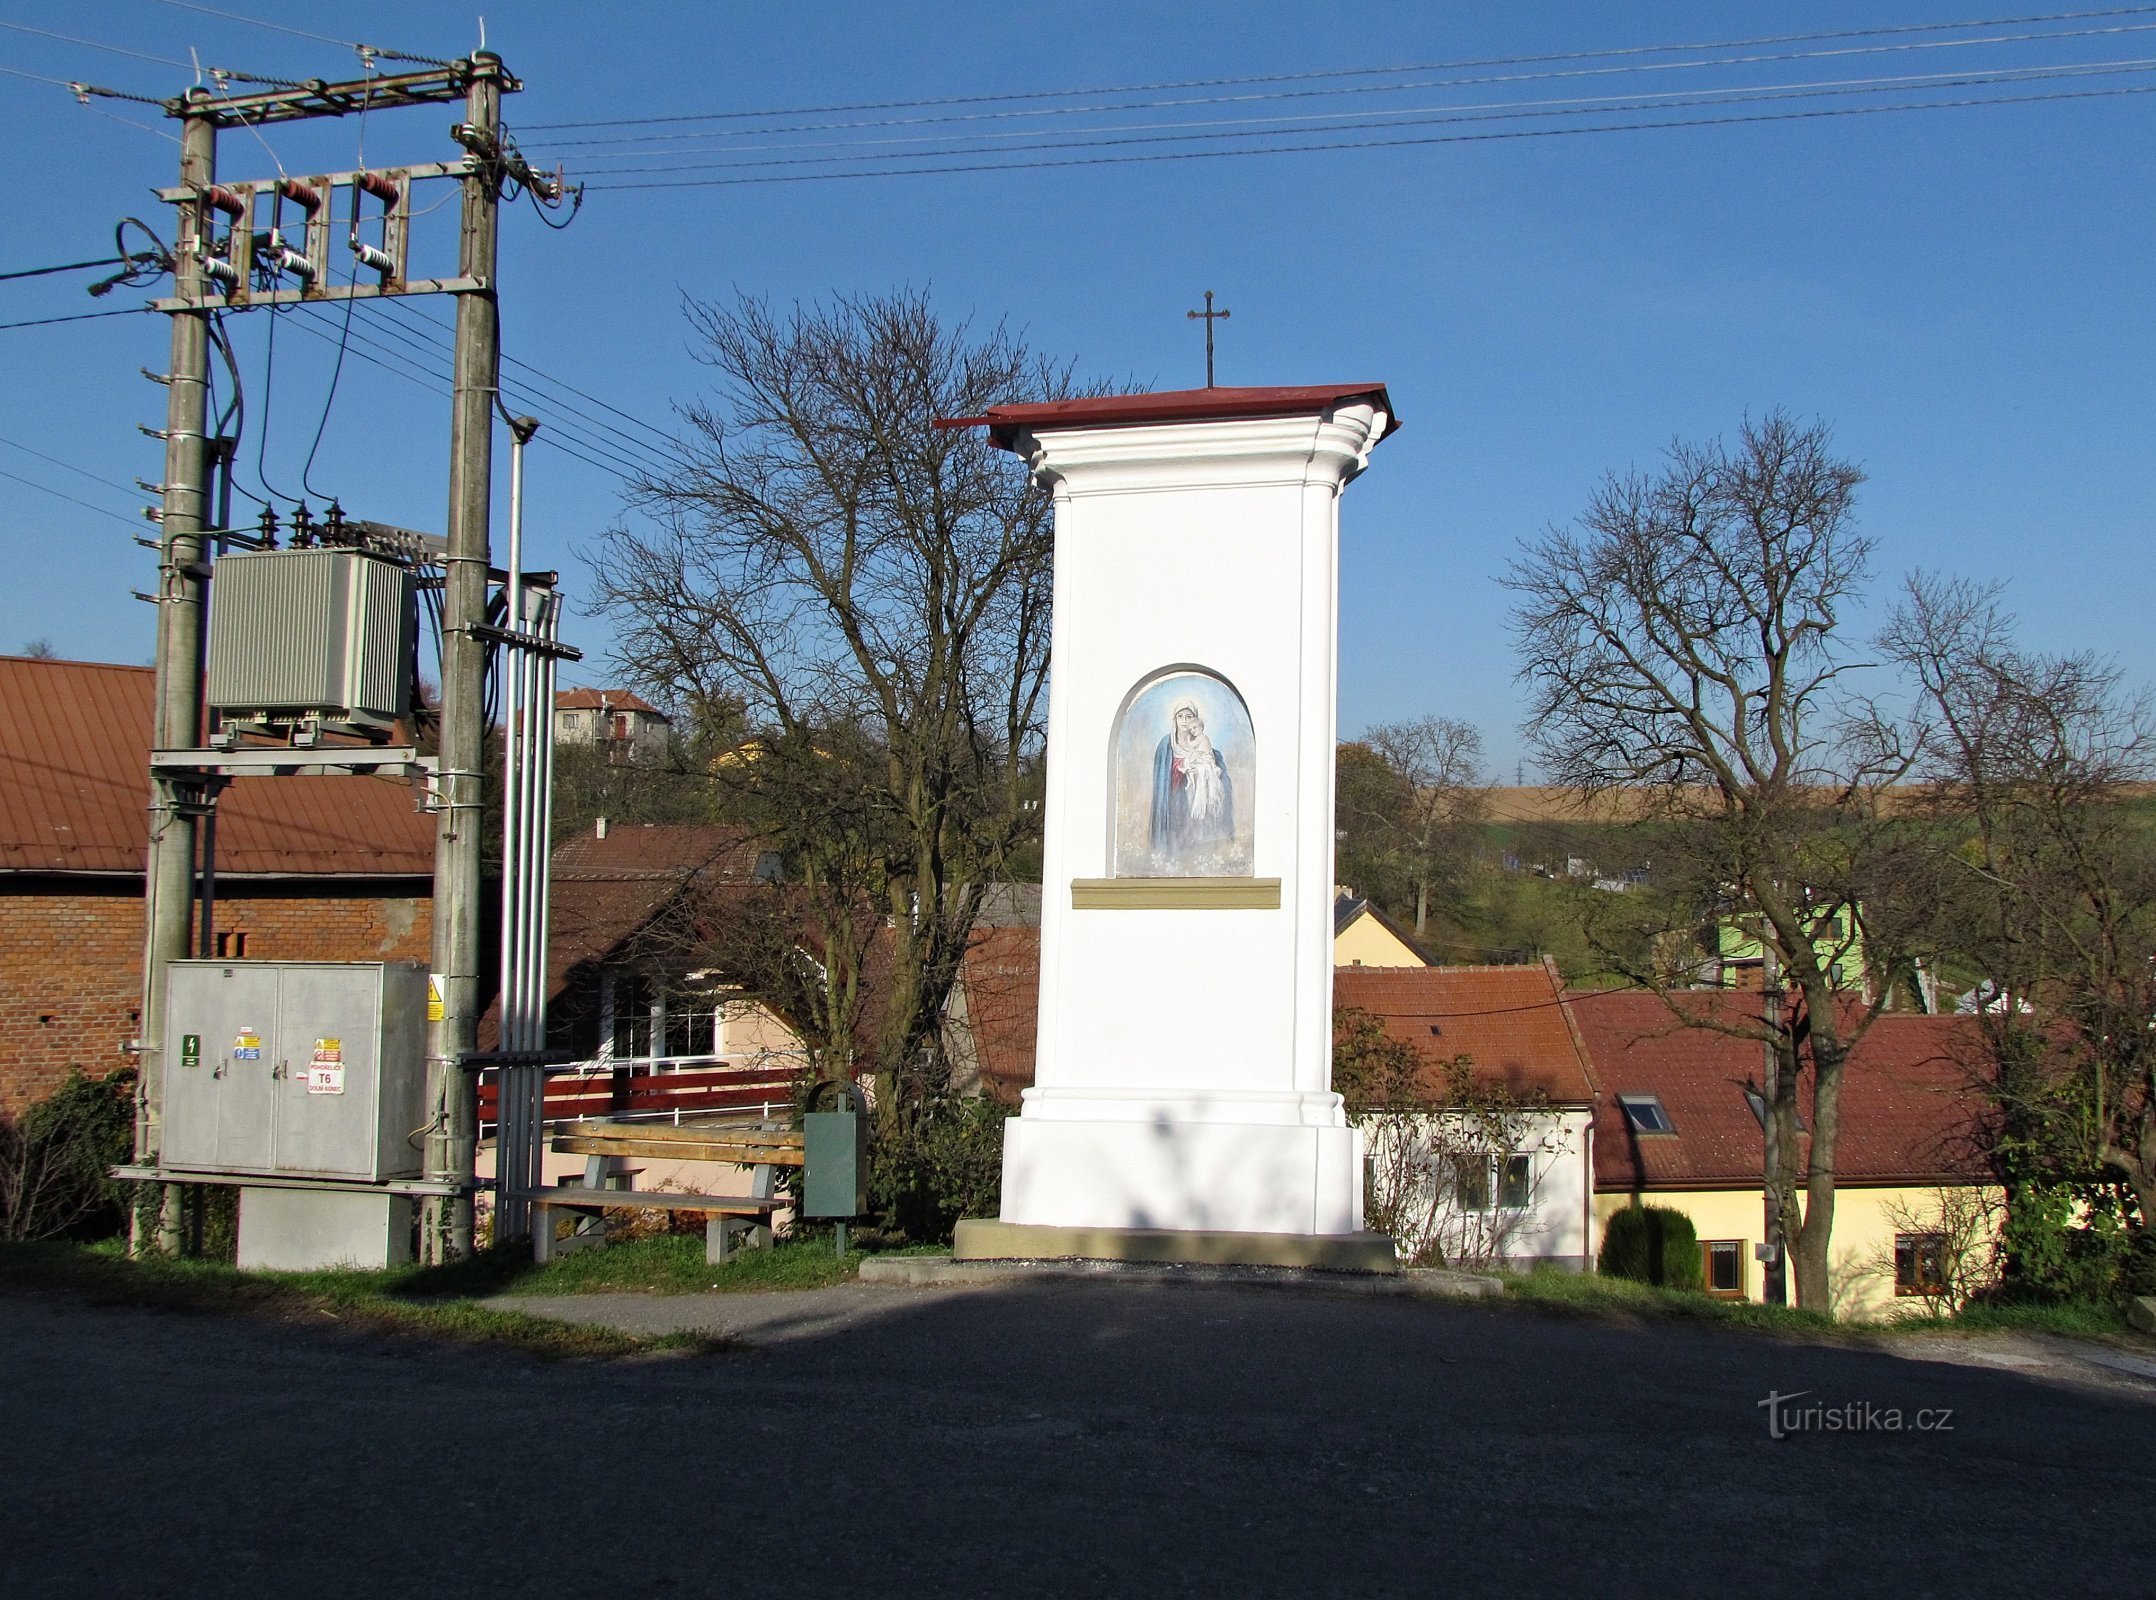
x,y
248,1046
325,1072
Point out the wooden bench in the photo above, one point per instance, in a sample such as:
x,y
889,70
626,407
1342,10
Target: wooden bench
x,y
606,1145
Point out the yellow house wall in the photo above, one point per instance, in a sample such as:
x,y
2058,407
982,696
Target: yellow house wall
x,y
1367,942
746,1029
1865,1223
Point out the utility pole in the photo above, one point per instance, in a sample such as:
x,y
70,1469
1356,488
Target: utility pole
x,y
256,266
1775,1286
452,1089
176,799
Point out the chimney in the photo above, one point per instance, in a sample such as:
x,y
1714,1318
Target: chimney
x,y
599,828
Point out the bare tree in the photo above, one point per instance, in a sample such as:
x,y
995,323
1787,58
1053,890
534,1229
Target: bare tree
x,y
1436,799
1681,641
873,593
2038,765
1945,1245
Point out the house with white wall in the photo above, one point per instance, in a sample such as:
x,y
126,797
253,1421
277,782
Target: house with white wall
x,y
1502,1177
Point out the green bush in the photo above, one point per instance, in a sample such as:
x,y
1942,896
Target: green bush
x,y
2074,1244
948,1166
55,1160
1652,1244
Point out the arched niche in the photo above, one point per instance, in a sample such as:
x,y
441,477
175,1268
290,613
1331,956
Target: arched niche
x,y
1185,778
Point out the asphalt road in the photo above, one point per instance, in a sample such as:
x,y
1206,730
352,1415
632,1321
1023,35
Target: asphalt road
x,y
1052,1439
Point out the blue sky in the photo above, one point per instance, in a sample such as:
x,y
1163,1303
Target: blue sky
x,y
1965,296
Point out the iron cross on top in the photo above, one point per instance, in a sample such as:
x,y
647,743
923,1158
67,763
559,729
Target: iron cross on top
x,y
1210,316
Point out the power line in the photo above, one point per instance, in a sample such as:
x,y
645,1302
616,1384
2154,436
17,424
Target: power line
x,y
39,77
1378,144
673,445
57,494
398,359
68,266
80,472
301,33
94,44
1351,72
1494,112
724,135
80,316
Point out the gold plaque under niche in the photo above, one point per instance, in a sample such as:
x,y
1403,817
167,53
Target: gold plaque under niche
x,y
1175,894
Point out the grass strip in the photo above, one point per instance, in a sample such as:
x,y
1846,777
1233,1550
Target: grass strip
x,y
1588,1294
1591,1295
397,1302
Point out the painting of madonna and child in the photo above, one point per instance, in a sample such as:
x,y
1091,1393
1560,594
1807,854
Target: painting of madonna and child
x,y
1185,781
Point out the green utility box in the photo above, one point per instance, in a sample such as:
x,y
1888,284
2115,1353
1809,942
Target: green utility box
x,y
834,1149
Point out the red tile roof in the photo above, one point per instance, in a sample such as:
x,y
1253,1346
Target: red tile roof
x,y
1912,1110
1002,975
1175,405
74,790
603,700
605,890
1510,1020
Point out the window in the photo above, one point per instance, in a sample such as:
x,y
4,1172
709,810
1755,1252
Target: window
x,y
1722,1265
1920,1263
1476,1177
1516,1188
1471,1183
1644,1113
232,946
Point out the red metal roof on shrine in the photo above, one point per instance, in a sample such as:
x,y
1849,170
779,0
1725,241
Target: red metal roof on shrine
x,y
1175,405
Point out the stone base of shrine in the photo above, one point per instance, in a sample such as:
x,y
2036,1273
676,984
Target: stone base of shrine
x,y
987,1239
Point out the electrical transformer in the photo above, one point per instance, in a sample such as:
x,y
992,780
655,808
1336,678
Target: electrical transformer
x,y
297,1069
315,638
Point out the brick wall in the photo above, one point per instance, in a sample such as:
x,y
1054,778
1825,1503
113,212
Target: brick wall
x,y
71,958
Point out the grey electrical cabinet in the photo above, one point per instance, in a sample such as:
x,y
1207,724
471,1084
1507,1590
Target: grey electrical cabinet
x,y
319,636
295,1068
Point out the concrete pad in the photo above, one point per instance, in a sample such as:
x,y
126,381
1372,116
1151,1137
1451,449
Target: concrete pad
x,y
986,1239
948,1272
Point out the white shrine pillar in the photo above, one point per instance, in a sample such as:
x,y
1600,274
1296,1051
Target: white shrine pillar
x,y
1182,1106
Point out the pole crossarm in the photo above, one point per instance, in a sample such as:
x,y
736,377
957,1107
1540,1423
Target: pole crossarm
x,y
315,98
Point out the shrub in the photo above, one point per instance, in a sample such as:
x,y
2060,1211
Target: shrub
x,y
55,1160
1651,1244
948,1166
2073,1244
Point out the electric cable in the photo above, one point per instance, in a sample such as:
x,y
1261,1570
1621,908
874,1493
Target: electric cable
x,y
619,468
1345,72
80,472
232,421
1391,88
550,404
58,494
306,472
80,316
363,50
69,266
93,44
660,434
1816,114
1495,112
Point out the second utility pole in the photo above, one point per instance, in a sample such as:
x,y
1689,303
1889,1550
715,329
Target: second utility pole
x,y
175,801
453,1093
